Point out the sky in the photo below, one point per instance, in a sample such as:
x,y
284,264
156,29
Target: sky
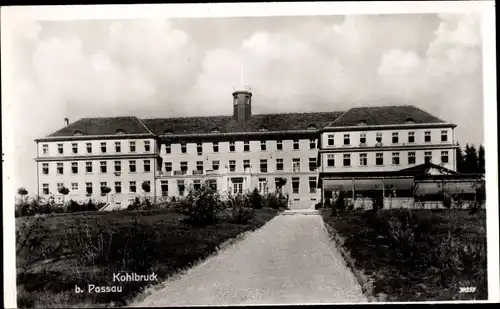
x,y
188,67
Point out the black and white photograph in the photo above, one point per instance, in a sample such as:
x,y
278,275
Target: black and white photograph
x,y
249,154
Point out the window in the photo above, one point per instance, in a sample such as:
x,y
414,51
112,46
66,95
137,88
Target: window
x,y
212,183
45,188
279,145
147,188
216,146
168,148
263,145
296,165
395,138
362,138
263,186
184,167
411,158
428,156
395,158
444,136
168,166
199,148
295,185
246,146
45,149
131,145
246,164
60,168
103,185
147,146
232,165
199,165
378,137
60,148
444,157
427,136
60,185
197,184
295,144
89,147
88,167
74,186
118,187
312,143
363,159
74,167
118,147
74,147
331,140
164,187
312,184
215,165
132,187
88,187
183,148
379,158
347,139
411,137
45,168
181,187
330,160
131,166
263,165
312,164
232,146
103,147
147,166
279,164
347,159
104,167
118,166
237,187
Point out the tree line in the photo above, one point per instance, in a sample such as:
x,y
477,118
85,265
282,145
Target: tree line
x,y
470,159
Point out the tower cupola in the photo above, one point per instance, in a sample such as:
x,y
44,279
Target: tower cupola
x,y
242,105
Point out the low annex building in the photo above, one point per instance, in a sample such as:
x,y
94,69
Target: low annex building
x,y
314,153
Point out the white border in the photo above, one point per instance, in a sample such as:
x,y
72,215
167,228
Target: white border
x,y
11,15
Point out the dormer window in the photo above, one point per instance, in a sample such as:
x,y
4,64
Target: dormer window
x,y
215,130
78,132
410,120
120,131
312,127
362,123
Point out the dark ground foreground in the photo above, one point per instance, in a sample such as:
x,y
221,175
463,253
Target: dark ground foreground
x,y
417,255
68,250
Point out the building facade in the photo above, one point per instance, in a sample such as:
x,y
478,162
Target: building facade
x,y
300,154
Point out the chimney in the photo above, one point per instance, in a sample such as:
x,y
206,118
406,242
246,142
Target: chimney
x,y
66,121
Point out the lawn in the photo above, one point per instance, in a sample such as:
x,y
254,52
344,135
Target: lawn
x,y
78,249
417,255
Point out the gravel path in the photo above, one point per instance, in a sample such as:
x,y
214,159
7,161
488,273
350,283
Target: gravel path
x,y
288,261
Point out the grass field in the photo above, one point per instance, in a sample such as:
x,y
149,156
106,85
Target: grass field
x,y
417,255
66,250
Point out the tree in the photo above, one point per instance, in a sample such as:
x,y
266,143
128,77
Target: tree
x,y
481,160
64,191
471,159
256,199
22,192
460,159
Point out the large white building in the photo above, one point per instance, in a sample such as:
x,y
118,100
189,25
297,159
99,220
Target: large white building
x,y
314,152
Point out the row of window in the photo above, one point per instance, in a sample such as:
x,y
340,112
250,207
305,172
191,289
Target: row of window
x,y
395,138
379,158
246,146
237,187
104,147
103,167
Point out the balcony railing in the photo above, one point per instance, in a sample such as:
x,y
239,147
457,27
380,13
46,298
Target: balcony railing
x,y
179,173
197,172
212,172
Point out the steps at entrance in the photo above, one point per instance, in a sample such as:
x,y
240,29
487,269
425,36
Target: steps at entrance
x,y
302,204
292,212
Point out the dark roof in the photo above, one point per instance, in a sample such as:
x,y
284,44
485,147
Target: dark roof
x,y
226,124
384,115
103,126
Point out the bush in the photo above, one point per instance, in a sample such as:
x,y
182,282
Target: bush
x,y
242,214
350,206
275,201
256,199
201,206
341,201
377,201
318,206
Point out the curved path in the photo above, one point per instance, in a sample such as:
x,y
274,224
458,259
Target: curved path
x,y
290,260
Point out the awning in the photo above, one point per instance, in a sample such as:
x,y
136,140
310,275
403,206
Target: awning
x,y
368,184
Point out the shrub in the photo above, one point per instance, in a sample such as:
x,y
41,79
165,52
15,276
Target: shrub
x,y
274,200
340,204
242,214
350,206
318,206
201,206
377,201
256,199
